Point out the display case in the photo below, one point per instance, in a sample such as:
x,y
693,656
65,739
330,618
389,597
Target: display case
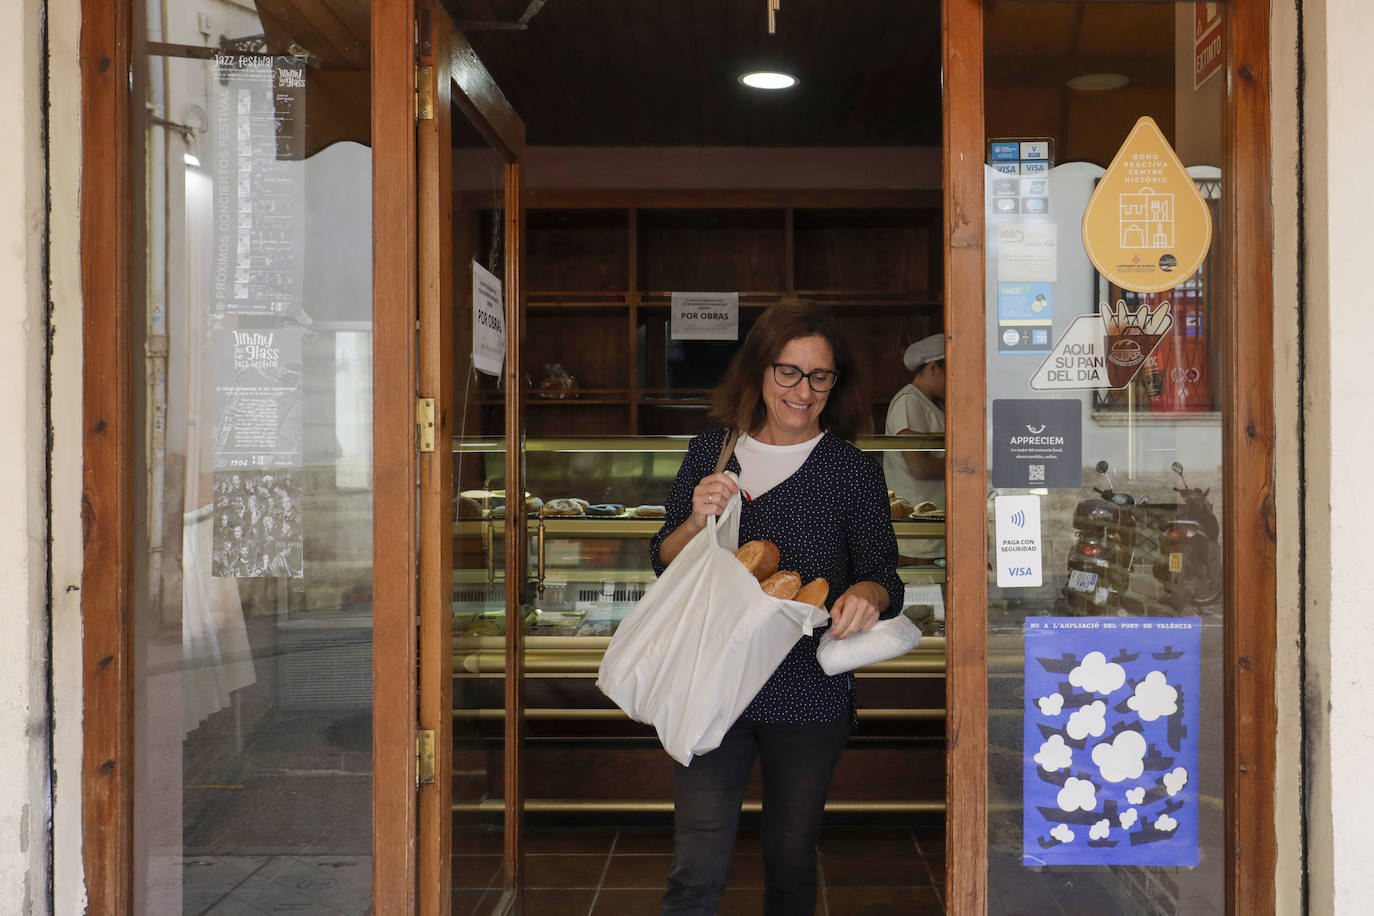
x,y
585,573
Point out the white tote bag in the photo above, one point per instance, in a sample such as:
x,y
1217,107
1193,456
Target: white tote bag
x,y
697,648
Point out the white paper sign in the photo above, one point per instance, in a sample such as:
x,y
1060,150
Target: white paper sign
x,y
1028,253
488,321
705,316
1018,541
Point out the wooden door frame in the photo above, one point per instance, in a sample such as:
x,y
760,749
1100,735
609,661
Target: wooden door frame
x,y
1247,397
109,454
459,79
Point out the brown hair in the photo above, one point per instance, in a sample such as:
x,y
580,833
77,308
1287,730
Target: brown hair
x,y
737,402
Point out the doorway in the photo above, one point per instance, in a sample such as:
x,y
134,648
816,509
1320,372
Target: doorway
x,y
525,547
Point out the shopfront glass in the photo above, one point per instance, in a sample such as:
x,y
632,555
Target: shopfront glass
x,y
253,609
1104,308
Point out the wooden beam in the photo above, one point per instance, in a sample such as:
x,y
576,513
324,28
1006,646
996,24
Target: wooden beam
x,y
478,96
1248,521
394,599
434,177
966,679
107,460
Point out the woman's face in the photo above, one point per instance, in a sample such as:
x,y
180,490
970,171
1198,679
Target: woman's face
x,y
794,414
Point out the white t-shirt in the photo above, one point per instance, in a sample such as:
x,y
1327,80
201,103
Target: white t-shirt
x,y
762,466
911,409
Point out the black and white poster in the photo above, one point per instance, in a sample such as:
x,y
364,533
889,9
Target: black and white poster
x,y
258,525
258,398
257,131
1037,443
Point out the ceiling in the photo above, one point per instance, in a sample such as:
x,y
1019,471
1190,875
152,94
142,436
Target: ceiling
x,y
639,73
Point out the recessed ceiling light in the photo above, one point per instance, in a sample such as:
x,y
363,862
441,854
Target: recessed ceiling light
x,y
767,79
1097,82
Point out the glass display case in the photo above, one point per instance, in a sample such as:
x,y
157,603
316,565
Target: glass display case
x,y
593,504
586,570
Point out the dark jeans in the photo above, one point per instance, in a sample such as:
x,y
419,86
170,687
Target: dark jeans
x,y
798,762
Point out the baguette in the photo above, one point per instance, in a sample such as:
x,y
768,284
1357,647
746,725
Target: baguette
x,y
761,558
814,592
782,585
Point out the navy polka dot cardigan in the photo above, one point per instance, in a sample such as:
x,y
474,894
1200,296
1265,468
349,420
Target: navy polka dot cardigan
x,y
830,519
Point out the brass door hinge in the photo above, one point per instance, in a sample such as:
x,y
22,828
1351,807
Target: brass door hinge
x,y
424,93
424,757
424,418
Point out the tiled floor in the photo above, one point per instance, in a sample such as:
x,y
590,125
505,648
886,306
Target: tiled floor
x,y
599,871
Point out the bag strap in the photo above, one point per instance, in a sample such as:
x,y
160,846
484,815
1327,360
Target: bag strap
x,y
727,449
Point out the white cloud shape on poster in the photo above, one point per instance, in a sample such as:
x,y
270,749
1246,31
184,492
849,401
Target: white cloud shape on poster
x,y
1062,833
1077,794
1097,674
1175,780
1128,818
1166,823
1088,720
1100,830
1135,796
1154,698
1121,758
1051,705
1054,754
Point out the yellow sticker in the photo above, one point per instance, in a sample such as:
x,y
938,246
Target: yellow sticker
x,y
1146,227
1175,562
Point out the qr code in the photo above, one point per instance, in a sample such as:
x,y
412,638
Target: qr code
x,y
1037,473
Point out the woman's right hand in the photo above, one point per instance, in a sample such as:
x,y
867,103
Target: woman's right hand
x,y
710,496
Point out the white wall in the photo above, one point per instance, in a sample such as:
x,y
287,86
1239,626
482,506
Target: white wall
x,y
1287,490
1339,441
24,782
64,165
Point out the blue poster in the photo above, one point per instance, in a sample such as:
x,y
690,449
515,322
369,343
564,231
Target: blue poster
x,y
1110,742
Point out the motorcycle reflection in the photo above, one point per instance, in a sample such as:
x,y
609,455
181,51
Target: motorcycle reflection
x,y
1112,535
1103,551
1189,564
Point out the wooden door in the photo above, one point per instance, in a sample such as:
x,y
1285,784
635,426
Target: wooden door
x,y
458,103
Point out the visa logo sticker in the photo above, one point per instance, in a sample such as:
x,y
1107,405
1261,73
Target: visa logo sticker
x,y
1018,541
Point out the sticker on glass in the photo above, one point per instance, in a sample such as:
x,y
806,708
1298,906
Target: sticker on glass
x,y
1146,228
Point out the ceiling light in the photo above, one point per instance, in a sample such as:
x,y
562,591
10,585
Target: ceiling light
x,y
190,160
1097,82
767,79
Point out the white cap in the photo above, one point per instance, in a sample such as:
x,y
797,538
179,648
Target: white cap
x,y
926,350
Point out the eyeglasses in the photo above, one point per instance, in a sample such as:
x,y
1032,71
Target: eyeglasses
x,y
789,376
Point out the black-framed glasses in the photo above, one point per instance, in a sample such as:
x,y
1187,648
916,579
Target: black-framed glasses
x,y
789,376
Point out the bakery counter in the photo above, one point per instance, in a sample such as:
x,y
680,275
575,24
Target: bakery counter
x,y
582,756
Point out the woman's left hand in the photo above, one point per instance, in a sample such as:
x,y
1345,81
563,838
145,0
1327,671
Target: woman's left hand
x,y
857,609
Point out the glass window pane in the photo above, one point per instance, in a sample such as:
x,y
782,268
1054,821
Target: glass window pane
x,y
1103,301
253,613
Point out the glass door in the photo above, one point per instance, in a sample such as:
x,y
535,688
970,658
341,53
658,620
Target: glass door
x,y
469,147
254,623
1100,179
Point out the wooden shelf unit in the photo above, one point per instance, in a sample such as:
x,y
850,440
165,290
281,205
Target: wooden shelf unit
x,y
601,268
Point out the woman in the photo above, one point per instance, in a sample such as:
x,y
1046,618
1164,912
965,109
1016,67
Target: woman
x,y
792,389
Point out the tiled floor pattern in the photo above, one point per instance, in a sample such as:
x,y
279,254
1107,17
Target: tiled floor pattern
x,y
610,871
258,885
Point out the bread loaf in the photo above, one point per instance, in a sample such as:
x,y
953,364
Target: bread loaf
x,y
901,508
760,558
814,592
782,584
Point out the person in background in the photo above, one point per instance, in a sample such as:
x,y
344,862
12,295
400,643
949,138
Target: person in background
x,y
919,409
792,390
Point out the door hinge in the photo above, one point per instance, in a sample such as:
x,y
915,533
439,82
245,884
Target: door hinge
x,y
424,418
424,757
424,93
